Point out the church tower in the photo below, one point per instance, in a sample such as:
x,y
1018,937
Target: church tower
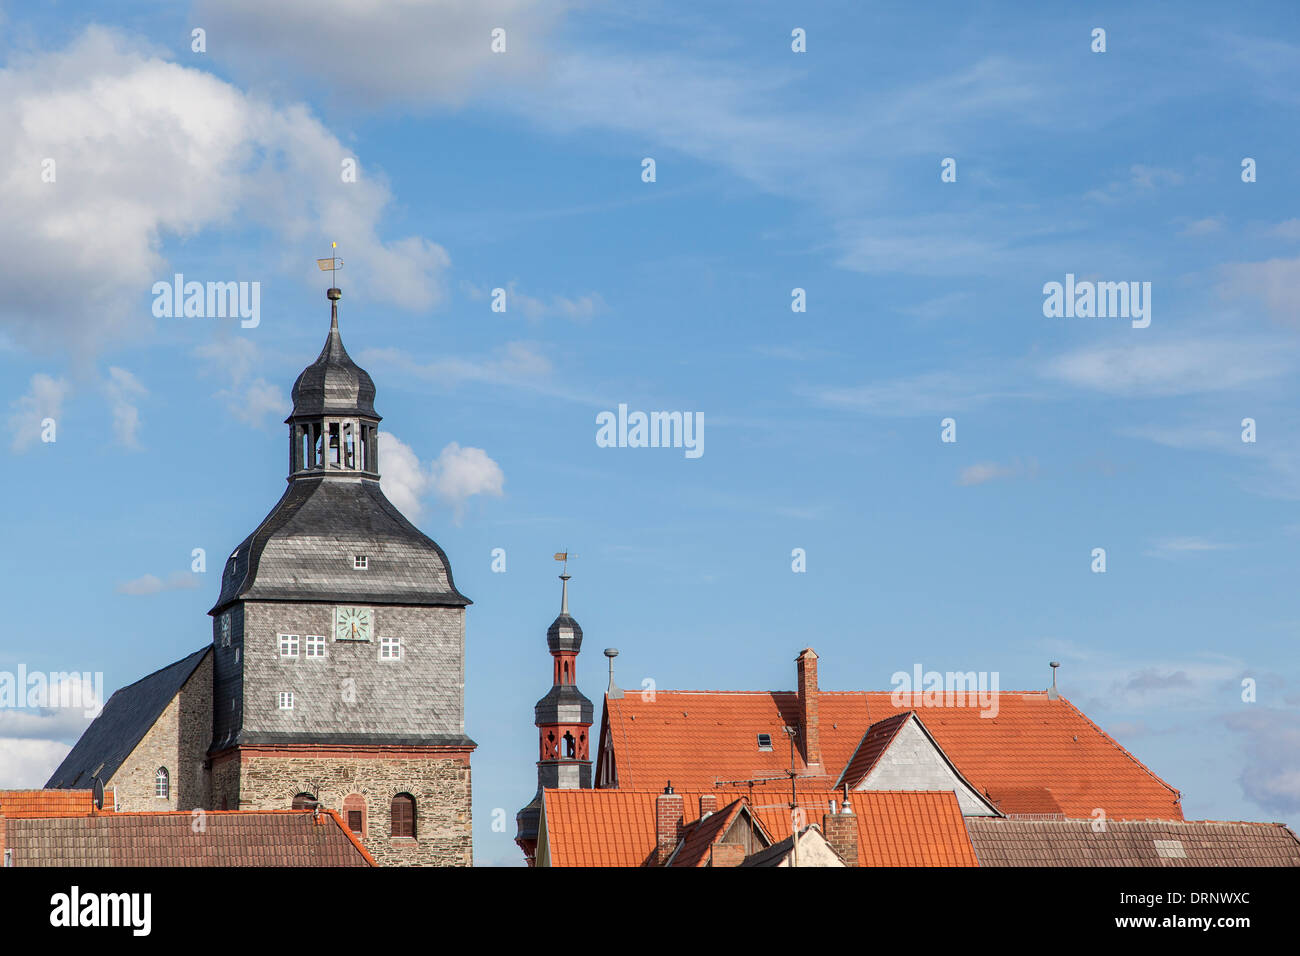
x,y
339,634
563,719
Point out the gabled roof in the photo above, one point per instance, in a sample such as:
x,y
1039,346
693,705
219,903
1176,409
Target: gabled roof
x,y
126,718
708,830
229,838
1001,842
872,746
617,827
696,738
774,854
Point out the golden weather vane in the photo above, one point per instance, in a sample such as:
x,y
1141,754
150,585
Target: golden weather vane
x,y
331,265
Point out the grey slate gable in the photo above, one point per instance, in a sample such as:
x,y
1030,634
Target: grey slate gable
x,y
303,550
127,717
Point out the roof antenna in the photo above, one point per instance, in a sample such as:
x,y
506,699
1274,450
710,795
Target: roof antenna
x,y
332,265
1052,692
613,691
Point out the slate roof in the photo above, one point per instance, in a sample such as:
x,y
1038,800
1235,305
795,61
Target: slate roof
x,y
695,738
1001,842
617,827
333,384
229,838
304,549
126,718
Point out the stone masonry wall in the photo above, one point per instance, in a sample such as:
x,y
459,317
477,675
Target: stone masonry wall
x,y
178,741
440,786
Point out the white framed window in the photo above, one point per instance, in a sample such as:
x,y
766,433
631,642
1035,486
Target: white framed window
x,y
390,648
288,645
286,700
315,645
161,784
360,562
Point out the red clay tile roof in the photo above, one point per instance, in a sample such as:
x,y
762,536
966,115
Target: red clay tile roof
x,y
230,838
695,738
1000,842
911,828
50,803
617,827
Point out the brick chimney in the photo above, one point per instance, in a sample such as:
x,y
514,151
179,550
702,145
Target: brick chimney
x,y
708,803
668,823
841,832
809,731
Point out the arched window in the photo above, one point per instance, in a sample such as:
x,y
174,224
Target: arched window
x,y
402,816
303,801
162,784
354,813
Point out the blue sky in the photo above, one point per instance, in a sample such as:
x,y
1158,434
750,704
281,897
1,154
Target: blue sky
x,y
775,170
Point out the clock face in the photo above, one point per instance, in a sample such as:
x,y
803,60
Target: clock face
x,y
353,623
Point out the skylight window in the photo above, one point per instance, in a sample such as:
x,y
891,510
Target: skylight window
x,y
764,741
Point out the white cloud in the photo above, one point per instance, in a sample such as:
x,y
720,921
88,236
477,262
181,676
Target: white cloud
x,y
1168,547
1275,284
44,399
403,479
930,393
152,584
1202,227
455,476
987,471
123,389
578,309
416,52
462,473
27,764
146,150
232,358
1183,368
1271,776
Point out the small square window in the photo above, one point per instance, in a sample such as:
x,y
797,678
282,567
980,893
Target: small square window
x,y
764,741
315,645
361,562
288,645
286,700
390,648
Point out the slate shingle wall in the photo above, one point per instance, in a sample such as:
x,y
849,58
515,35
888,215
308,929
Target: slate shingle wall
x,y
351,691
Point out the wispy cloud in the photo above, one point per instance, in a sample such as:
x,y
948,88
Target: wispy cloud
x,y
124,391
1167,369
148,584
984,472
44,399
1172,547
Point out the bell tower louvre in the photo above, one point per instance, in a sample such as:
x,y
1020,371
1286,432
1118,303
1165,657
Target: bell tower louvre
x,y
339,641
563,719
